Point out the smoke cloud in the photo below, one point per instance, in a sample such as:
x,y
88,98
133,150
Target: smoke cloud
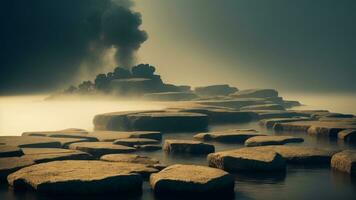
x,y
45,44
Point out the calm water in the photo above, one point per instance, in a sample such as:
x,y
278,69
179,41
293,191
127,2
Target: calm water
x,y
297,183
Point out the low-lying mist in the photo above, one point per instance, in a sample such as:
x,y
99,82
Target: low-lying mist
x,y
32,113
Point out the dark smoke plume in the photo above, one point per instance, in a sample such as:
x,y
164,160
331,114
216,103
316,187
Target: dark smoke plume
x,y
44,43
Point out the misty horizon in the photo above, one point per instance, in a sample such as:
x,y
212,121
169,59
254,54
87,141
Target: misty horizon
x,y
292,46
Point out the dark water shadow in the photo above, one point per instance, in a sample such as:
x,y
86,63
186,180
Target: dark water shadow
x,y
261,177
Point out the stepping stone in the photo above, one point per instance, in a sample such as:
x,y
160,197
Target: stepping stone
x,y
234,103
215,90
9,165
272,140
229,136
348,135
148,147
152,121
81,177
223,115
187,146
264,107
154,135
170,96
270,114
318,128
345,161
247,159
38,155
98,149
269,123
256,93
131,158
29,141
329,130
10,151
135,141
65,142
300,155
110,136
66,133
191,179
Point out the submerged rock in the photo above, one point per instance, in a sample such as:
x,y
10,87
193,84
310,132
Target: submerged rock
x,y
98,149
345,161
229,136
215,90
247,159
80,177
135,141
191,179
152,121
10,151
348,135
29,141
272,140
300,155
187,146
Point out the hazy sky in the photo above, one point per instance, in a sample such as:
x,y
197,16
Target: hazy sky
x,y
291,45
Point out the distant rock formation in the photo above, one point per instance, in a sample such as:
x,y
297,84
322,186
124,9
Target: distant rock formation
x,y
137,81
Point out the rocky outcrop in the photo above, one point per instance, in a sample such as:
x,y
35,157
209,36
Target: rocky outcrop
x,y
247,159
80,177
151,121
271,140
191,180
98,149
345,161
187,146
228,136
